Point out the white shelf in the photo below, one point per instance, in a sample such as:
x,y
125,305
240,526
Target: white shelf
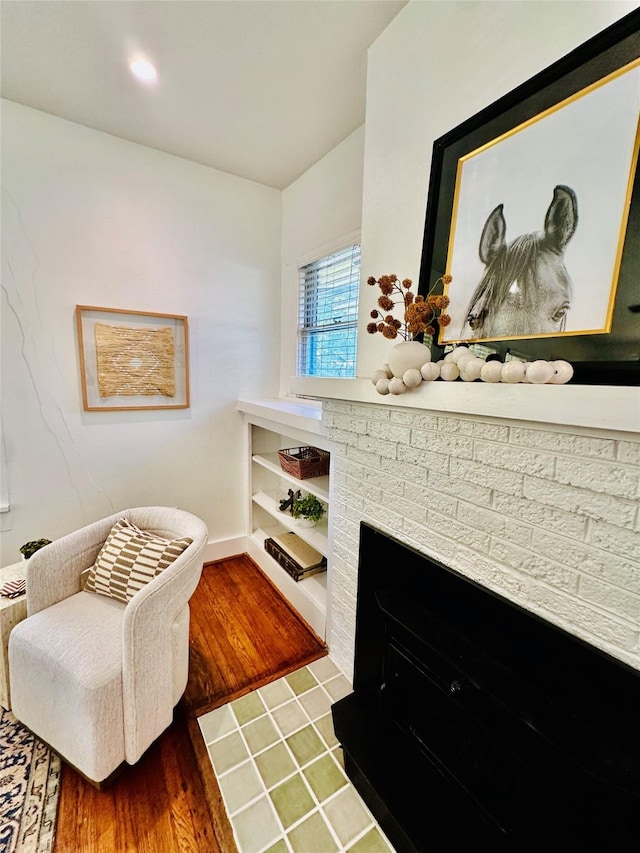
x,y
270,426
315,586
318,486
308,596
316,536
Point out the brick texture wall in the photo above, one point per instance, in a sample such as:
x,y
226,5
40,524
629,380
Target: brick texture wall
x,y
546,516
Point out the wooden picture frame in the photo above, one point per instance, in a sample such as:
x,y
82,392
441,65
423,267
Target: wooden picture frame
x,y
132,360
608,352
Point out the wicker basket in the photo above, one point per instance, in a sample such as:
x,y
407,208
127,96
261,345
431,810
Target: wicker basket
x,y
304,462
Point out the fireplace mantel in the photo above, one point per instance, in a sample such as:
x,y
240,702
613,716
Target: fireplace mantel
x,y
614,408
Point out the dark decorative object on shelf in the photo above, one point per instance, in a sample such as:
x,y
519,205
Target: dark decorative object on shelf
x,y
289,564
287,503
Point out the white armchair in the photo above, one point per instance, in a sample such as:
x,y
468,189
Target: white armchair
x,y
94,677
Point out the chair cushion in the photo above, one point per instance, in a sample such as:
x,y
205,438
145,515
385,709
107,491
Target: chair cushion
x,y
66,680
129,559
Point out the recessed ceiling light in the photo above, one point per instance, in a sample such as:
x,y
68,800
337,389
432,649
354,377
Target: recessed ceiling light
x,y
143,70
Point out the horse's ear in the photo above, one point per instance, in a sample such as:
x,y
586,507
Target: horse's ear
x,y
493,233
562,218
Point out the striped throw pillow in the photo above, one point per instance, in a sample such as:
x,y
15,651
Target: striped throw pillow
x,y
129,559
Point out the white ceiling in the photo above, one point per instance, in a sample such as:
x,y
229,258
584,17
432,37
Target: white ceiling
x,y
257,88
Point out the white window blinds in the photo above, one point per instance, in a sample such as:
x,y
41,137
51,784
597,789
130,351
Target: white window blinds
x,y
327,328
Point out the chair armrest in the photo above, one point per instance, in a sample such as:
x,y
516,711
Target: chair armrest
x,y
148,624
53,573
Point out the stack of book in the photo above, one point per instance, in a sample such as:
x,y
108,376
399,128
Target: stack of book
x,y
295,556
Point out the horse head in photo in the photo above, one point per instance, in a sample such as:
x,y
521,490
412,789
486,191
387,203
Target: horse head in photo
x,y
525,289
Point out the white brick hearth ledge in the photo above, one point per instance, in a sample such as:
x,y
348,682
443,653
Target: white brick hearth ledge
x,y
595,406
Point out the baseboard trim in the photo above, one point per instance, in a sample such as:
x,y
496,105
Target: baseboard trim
x,y
223,548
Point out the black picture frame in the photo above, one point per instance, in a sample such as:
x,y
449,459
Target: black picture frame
x,y
611,358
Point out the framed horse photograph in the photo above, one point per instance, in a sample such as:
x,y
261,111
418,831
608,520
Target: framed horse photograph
x,y
533,214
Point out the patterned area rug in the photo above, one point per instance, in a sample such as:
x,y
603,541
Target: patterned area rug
x,y
29,786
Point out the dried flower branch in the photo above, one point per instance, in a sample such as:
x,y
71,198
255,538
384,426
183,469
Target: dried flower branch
x,y
420,313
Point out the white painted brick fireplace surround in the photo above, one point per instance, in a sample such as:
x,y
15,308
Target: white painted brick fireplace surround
x,y
545,515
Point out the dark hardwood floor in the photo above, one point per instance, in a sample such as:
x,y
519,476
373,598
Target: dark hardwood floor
x,y
243,635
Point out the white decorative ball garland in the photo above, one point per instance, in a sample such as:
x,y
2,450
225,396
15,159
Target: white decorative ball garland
x,y
409,369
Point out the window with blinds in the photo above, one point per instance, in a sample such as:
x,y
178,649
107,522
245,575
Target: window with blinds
x,y
327,327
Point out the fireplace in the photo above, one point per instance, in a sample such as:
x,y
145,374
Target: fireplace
x,y
473,719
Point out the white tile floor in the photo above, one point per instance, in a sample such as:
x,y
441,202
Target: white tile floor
x,y
280,768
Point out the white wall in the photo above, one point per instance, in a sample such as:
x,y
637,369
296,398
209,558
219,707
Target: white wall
x,y
91,219
437,64
555,538
321,213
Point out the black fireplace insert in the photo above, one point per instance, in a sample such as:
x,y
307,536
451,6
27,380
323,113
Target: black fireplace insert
x,y
473,719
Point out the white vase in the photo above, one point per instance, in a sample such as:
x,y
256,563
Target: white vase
x,y
305,522
407,355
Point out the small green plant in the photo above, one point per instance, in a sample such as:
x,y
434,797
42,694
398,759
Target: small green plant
x,y
308,507
30,548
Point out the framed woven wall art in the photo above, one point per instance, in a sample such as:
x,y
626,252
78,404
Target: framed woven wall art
x,y
131,360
